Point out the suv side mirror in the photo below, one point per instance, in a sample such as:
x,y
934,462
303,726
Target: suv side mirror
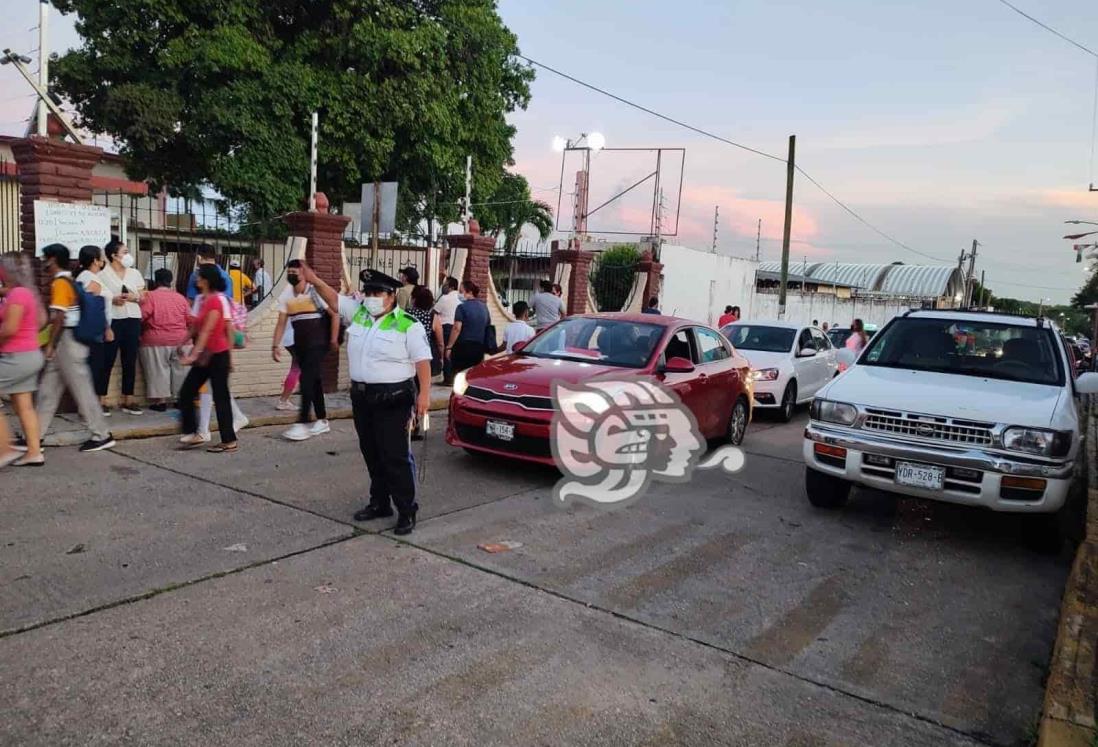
x,y
1087,383
682,365
806,352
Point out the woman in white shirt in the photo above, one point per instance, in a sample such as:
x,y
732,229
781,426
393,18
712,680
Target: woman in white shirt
x,y
126,284
91,263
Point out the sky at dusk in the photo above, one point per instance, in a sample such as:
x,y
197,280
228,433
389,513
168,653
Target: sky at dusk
x,y
938,122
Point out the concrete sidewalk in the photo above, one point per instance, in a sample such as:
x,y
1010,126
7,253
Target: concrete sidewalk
x,y
68,430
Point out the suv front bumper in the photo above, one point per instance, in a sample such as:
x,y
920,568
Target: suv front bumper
x,y
961,486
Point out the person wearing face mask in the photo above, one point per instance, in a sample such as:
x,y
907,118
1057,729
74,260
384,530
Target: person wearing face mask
x,y
316,332
389,356
91,263
127,288
466,347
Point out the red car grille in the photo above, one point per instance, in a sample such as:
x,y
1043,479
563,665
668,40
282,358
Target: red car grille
x,y
529,401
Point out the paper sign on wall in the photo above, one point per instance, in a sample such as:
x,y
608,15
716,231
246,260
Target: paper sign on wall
x,y
74,224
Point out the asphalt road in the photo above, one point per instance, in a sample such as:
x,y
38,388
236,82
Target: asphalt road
x,y
162,597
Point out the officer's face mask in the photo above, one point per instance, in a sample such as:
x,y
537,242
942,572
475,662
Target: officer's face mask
x,y
375,305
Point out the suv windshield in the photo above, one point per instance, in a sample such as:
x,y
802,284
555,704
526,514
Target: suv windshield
x,y
756,337
839,336
611,342
969,348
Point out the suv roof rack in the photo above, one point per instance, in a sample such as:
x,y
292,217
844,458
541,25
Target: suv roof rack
x,y
971,310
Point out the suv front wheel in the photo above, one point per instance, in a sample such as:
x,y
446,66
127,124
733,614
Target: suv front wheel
x,y
825,491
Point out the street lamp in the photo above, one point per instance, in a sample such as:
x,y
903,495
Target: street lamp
x,y
586,142
1078,222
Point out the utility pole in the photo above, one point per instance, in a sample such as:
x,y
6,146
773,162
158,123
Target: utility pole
x,y
716,217
983,290
466,211
971,277
960,270
758,236
43,63
790,169
312,163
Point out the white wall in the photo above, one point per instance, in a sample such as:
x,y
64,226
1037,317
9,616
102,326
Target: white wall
x,y
824,308
698,285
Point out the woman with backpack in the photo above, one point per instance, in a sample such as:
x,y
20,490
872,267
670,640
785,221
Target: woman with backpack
x,y
21,315
90,259
210,360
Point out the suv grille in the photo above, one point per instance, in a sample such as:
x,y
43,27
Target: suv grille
x,y
930,427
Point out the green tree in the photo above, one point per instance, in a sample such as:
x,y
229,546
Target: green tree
x,y
219,93
1088,294
509,208
612,275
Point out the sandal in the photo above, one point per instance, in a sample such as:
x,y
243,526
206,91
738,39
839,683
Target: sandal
x,y
223,449
24,461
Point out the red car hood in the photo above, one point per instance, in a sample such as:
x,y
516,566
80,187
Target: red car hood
x,y
525,374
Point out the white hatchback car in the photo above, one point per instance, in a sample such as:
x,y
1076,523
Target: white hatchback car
x,y
966,407
789,362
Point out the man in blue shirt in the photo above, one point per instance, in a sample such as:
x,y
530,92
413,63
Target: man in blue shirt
x,y
206,255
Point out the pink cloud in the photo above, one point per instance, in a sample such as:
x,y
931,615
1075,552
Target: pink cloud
x,y
1075,199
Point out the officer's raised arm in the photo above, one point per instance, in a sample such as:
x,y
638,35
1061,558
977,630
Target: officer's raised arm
x,y
327,292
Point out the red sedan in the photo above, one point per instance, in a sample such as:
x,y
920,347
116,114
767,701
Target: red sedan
x,y
503,406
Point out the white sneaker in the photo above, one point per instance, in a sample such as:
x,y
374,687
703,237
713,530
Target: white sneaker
x,y
298,432
320,426
195,439
285,405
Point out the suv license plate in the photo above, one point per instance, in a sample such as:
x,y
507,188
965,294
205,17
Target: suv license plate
x,y
920,475
500,430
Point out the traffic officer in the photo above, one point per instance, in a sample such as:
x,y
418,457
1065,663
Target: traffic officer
x,y
390,362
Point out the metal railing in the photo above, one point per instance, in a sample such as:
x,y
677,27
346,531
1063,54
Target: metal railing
x,y
611,283
517,275
166,233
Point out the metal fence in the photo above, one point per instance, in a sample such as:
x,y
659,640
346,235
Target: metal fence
x,y
9,214
166,233
517,274
611,282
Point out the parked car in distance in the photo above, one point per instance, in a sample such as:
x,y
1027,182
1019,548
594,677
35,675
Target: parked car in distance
x,y
789,362
504,407
973,408
839,335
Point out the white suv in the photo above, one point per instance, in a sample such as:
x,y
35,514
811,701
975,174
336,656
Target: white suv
x,y
966,407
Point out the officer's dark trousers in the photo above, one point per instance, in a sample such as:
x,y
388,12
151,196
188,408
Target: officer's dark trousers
x,y
382,413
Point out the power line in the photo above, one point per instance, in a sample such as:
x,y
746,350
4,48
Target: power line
x,y
741,146
1048,28
866,223
646,110
992,281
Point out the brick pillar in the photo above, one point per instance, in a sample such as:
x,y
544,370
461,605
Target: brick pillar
x,y
653,270
51,170
324,236
575,295
479,248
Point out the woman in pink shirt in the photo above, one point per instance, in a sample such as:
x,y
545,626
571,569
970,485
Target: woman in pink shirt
x,y
21,316
165,320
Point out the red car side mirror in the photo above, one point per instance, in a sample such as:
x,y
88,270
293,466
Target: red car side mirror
x,y
518,346
678,365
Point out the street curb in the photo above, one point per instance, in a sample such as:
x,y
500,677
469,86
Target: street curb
x,y
77,437
1068,715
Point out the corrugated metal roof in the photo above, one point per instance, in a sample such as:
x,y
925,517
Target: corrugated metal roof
x,y
922,280
925,281
867,277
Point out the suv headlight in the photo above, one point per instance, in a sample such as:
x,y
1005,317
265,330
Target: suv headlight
x,y
765,374
833,412
460,384
1037,441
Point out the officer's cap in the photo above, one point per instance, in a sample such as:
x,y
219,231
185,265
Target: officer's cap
x,y
372,280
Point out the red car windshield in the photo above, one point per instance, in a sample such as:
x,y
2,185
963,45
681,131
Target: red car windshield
x,y
609,342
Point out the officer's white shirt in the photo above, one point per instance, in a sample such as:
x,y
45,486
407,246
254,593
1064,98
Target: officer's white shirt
x,y
382,356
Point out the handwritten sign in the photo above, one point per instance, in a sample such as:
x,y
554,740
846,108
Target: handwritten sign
x,y
73,224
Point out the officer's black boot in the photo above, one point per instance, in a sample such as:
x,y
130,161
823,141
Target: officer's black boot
x,y
406,523
372,512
